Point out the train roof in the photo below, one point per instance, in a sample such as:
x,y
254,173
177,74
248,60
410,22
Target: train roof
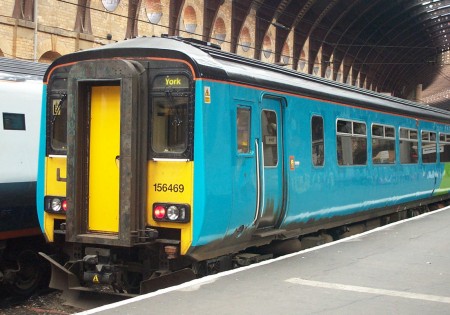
x,y
210,62
20,70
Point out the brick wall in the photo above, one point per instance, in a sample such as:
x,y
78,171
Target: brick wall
x,y
57,21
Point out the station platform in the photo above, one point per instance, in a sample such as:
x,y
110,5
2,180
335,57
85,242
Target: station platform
x,y
401,268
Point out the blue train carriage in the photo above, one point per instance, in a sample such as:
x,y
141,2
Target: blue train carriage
x,y
164,159
20,235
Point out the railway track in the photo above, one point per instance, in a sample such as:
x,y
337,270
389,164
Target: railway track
x,y
49,302
42,302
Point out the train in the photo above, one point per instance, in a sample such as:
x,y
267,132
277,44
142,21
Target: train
x,y
163,159
20,233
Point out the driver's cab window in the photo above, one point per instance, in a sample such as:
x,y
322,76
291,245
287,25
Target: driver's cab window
x,y
170,100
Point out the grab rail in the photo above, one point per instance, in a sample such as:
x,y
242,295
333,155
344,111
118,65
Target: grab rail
x,y
258,183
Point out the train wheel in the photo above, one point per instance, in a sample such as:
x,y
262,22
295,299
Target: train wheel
x,y
133,282
30,275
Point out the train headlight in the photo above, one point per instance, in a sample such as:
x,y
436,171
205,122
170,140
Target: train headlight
x,y
164,212
173,213
55,204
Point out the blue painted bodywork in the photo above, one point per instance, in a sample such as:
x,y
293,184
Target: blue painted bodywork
x,y
225,182
40,186
232,190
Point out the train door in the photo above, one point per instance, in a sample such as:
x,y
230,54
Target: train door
x,y
271,166
104,151
107,127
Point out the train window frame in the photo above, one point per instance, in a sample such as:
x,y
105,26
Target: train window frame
x,y
427,138
317,144
444,142
57,107
383,136
409,135
185,91
269,138
57,97
351,130
241,129
14,121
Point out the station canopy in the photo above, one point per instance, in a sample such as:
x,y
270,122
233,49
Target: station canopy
x,y
400,47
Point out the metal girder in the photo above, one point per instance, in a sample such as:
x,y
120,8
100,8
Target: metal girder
x,y
210,10
384,41
348,32
287,20
332,25
133,14
174,16
239,12
282,31
413,45
404,18
316,33
359,34
266,13
83,18
264,19
375,45
317,15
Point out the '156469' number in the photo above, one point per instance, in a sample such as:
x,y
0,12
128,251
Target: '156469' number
x,y
169,187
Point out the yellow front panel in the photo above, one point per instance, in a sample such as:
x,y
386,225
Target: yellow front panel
x,y
55,177
104,152
55,185
171,182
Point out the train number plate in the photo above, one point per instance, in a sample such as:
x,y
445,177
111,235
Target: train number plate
x,y
162,187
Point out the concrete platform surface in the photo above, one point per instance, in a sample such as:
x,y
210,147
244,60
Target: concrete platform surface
x,y
402,268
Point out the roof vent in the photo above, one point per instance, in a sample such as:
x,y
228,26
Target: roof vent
x,y
193,41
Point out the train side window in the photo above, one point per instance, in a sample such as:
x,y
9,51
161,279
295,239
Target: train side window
x,y
243,130
317,141
408,146
429,146
444,147
383,144
270,137
13,121
351,139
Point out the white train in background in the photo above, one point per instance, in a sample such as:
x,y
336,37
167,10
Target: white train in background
x,y
20,112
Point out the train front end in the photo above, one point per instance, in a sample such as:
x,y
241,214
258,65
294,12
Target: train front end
x,y
116,170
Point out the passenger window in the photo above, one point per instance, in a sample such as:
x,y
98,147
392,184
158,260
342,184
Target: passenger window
x,y
269,137
444,147
351,139
243,130
408,146
383,144
429,145
317,140
13,121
